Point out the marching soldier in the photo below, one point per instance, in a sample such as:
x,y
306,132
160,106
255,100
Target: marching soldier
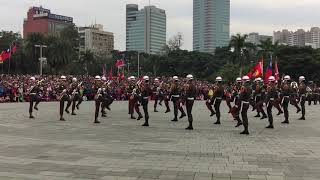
x,y
175,97
74,90
217,96
107,98
210,101
271,95
286,93
63,95
98,98
235,110
130,96
244,97
145,91
166,96
259,96
156,90
34,96
302,96
190,97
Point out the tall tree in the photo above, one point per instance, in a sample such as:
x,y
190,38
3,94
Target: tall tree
x,y
175,42
241,49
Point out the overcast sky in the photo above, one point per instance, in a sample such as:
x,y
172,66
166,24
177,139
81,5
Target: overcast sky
x,y
263,16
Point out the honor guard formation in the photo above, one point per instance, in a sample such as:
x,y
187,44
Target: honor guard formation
x,y
262,96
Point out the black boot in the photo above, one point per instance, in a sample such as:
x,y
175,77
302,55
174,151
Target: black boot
x,y
280,112
174,120
140,117
258,115
285,122
238,124
218,122
182,116
302,118
270,126
132,117
168,110
245,132
190,127
212,113
263,117
146,123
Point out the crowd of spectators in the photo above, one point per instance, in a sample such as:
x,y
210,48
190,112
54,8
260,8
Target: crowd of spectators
x,y
14,88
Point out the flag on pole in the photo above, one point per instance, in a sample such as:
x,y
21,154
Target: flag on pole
x,y
5,55
14,48
268,71
110,74
276,70
257,70
104,71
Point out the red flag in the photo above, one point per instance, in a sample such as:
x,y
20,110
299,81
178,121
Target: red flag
x,y
110,74
14,48
268,71
120,63
5,55
276,71
122,76
257,70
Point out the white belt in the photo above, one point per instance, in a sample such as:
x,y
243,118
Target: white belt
x,y
219,98
271,99
145,97
303,95
33,93
190,99
176,96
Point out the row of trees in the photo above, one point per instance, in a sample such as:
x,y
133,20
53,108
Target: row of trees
x,y
63,56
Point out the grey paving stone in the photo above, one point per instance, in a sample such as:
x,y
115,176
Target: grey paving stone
x,y
119,148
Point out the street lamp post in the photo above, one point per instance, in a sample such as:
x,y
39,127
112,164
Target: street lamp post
x,y
41,59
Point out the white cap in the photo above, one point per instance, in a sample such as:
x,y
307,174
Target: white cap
x,y
258,79
190,77
287,77
97,78
156,79
103,78
74,79
245,78
32,78
175,78
271,79
63,77
146,78
132,78
302,78
239,79
219,79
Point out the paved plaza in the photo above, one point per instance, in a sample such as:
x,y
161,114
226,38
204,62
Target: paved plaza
x,y
121,149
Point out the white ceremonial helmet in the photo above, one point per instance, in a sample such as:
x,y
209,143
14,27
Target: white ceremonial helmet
x,y
287,78
146,78
63,77
302,78
74,79
189,77
271,79
32,78
175,78
239,79
103,78
156,80
132,78
245,78
98,78
258,79
219,79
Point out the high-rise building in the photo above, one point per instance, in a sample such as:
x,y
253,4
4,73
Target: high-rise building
x,y
282,37
95,39
255,38
145,29
299,38
211,24
40,20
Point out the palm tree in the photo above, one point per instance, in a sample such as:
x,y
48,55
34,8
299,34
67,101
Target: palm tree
x,y
266,47
240,48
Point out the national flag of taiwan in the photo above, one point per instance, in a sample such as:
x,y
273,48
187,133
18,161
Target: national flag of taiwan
x,y
5,55
268,72
276,70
